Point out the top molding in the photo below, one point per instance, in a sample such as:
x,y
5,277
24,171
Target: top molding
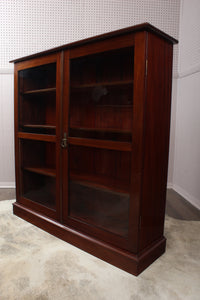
x,y
141,27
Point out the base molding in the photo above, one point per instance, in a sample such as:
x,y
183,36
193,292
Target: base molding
x,y
7,185
125,260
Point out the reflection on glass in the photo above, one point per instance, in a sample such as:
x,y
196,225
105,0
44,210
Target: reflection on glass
x,y
38,172
101,95
37,97
99,187
39,188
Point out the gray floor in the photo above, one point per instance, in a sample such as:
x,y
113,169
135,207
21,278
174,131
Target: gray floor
x,y
179,208
7,194
176,206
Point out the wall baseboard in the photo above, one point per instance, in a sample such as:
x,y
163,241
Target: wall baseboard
x,y
7,185
169,185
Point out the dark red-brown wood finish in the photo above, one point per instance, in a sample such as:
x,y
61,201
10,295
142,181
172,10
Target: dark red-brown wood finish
x,y
136,28
36,148
92,123
156,139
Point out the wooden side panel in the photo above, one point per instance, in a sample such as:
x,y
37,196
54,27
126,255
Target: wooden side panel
x,y
137,136
156,139
17,146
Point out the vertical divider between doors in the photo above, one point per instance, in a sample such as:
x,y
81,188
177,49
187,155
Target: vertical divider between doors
x,y
60,122
58,131
65,129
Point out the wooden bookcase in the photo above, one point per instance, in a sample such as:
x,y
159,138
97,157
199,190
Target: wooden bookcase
x,y
91,138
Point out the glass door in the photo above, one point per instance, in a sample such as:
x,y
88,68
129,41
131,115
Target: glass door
x,y
101,95
100,143
38,128
38,172
99,182
37,99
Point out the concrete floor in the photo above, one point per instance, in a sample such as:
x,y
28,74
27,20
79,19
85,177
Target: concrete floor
x,y
7,194
176,206
36,265
179,208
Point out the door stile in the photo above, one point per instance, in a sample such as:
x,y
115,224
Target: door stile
x,y
59,105
65,131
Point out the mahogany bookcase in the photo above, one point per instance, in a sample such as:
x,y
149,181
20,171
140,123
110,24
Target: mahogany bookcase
x,y
92,123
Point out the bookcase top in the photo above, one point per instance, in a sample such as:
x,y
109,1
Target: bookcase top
x,y
132,29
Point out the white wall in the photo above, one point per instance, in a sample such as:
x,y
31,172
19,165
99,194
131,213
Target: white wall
x,y
186,177
30,26
186,173
172,133
7,176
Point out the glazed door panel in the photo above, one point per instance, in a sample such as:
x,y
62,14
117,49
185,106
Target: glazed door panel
x,y
37,113
99,188
98,121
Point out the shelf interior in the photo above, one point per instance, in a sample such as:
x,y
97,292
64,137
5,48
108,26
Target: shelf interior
x,y
38,154
101,95
39,188
108,168
38,171
37,99
102,182
38,114
100,207
38,79
99,187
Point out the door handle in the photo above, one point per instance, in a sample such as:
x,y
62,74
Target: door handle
x,y
64,141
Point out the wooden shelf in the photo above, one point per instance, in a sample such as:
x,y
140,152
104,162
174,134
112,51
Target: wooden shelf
x,y
103,134
103,144
37,137
40,91
101,182
101,129
44,171
38,126
116,105
106,83
95,206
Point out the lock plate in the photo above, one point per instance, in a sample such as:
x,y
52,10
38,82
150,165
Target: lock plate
x,y
64,141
